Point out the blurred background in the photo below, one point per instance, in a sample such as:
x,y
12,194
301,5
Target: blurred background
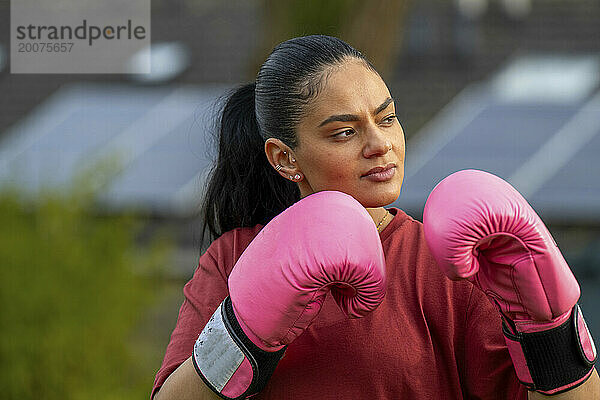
x,y
101,175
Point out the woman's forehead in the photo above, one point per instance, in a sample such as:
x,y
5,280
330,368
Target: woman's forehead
x,y
351,87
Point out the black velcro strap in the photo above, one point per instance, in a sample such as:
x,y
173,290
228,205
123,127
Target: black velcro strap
x,y
263,362
553,356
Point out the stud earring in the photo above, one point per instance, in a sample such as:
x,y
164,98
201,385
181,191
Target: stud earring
x,y
296,177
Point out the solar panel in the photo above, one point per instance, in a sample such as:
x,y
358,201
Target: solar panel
x,y
156,135
546,149
572,189
157,175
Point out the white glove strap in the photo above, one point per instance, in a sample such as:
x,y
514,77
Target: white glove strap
x,y
227,360
216,354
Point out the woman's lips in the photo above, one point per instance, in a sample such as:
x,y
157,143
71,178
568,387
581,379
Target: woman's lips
x,y
381,174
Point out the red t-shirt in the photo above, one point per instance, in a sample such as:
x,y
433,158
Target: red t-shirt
x,y
430,338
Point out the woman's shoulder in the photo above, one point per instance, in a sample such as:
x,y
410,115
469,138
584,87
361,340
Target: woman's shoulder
x,y
227,248
237,238
243,234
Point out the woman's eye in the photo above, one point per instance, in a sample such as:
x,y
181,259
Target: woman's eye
x,y
389,119
344,134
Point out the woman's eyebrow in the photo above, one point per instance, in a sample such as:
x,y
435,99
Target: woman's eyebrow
x,y
352,117
383,105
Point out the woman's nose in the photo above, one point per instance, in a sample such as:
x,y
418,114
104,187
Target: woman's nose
x,y
378,144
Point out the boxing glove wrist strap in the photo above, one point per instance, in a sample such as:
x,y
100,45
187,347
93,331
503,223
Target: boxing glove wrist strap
x,y
227,361
553,360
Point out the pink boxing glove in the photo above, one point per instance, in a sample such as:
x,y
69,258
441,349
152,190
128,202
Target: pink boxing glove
x,y
478,227
326,242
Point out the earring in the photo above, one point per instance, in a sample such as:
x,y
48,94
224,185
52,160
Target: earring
x,y
293,159
297,177
278,167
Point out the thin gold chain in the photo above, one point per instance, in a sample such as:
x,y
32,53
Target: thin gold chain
x,y
382,220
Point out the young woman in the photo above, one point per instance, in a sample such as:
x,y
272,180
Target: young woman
x,y
320,118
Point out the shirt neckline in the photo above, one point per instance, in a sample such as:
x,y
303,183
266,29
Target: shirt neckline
x,y
399,218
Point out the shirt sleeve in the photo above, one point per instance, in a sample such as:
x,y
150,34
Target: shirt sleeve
x,y
488,369
202,295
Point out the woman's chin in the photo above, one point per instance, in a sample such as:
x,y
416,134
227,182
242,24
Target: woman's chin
x,y
378,198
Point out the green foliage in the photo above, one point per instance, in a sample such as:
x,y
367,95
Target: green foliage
x,y
73,289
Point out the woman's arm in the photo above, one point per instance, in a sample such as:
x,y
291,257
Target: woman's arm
x,y
185,383
202,295
589,390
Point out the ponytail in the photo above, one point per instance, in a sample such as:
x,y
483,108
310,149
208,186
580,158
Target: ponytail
x,y
243,188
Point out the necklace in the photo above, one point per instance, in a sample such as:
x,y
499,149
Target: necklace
x,y
381,222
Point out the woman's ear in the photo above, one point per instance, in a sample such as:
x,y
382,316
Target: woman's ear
x,y
281,158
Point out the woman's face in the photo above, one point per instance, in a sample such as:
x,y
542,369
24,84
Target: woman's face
x,y
350,140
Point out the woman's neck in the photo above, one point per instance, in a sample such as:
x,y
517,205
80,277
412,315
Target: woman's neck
x,y
381,217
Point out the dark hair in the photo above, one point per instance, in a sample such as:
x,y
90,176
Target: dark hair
x,y
243,188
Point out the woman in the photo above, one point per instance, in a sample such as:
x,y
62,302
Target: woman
x,y
318,118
